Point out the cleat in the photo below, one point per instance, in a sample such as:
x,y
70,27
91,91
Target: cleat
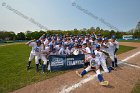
x,y
49,71
104,83
114,68
116,65
79,74
37,70
28,67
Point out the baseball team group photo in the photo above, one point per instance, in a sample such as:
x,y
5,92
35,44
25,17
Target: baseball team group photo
x,y
71,46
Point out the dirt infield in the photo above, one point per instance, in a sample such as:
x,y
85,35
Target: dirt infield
x,y
121,81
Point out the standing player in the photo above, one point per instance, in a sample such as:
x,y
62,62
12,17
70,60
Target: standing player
x,y
116,47
37,47
109,48
34,53
94,65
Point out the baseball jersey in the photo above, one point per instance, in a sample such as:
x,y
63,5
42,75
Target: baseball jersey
x,y
36,50
116,44
87,49
100,55
94,62
111,48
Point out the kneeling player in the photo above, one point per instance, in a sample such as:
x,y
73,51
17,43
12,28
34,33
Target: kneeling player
x,y
94,65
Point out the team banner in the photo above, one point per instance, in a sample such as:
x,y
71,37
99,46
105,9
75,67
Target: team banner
x,y
65,62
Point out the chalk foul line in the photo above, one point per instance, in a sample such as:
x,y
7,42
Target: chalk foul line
x,y
79,84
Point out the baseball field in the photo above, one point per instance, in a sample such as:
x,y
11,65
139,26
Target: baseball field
x,y
13,74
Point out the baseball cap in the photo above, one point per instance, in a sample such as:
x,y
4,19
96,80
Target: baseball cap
x,y
113,37
99,39
106,38
98,46
49,39
99,34
43,37
38,41
93,36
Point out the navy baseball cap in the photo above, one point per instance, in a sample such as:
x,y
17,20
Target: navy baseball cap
x,y
113,37
38,41
99,39
43,37
106,38
99,34
49,39
51,45
83,36
93,36
98,46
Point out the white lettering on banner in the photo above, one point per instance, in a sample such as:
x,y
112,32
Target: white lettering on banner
x,y
77,62
70,59
57,62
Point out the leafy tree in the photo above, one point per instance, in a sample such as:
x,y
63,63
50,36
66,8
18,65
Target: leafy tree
x,y
20,36
4,35
28,35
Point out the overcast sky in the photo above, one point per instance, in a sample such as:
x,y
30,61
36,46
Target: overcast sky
x,y
60,14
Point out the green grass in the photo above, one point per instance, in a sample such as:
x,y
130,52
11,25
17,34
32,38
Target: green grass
x,y
13,73
136,89
123,49
137,41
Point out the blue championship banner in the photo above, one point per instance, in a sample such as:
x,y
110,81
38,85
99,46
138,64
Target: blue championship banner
x,y
66,62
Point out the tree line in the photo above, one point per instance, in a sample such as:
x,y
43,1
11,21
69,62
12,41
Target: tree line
x,y
29,35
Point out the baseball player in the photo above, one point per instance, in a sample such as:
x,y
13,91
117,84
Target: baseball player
x,y
75,50
116,47
32,53
38,47
86,50
67,49
36,52
101,55
94,65
108,47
